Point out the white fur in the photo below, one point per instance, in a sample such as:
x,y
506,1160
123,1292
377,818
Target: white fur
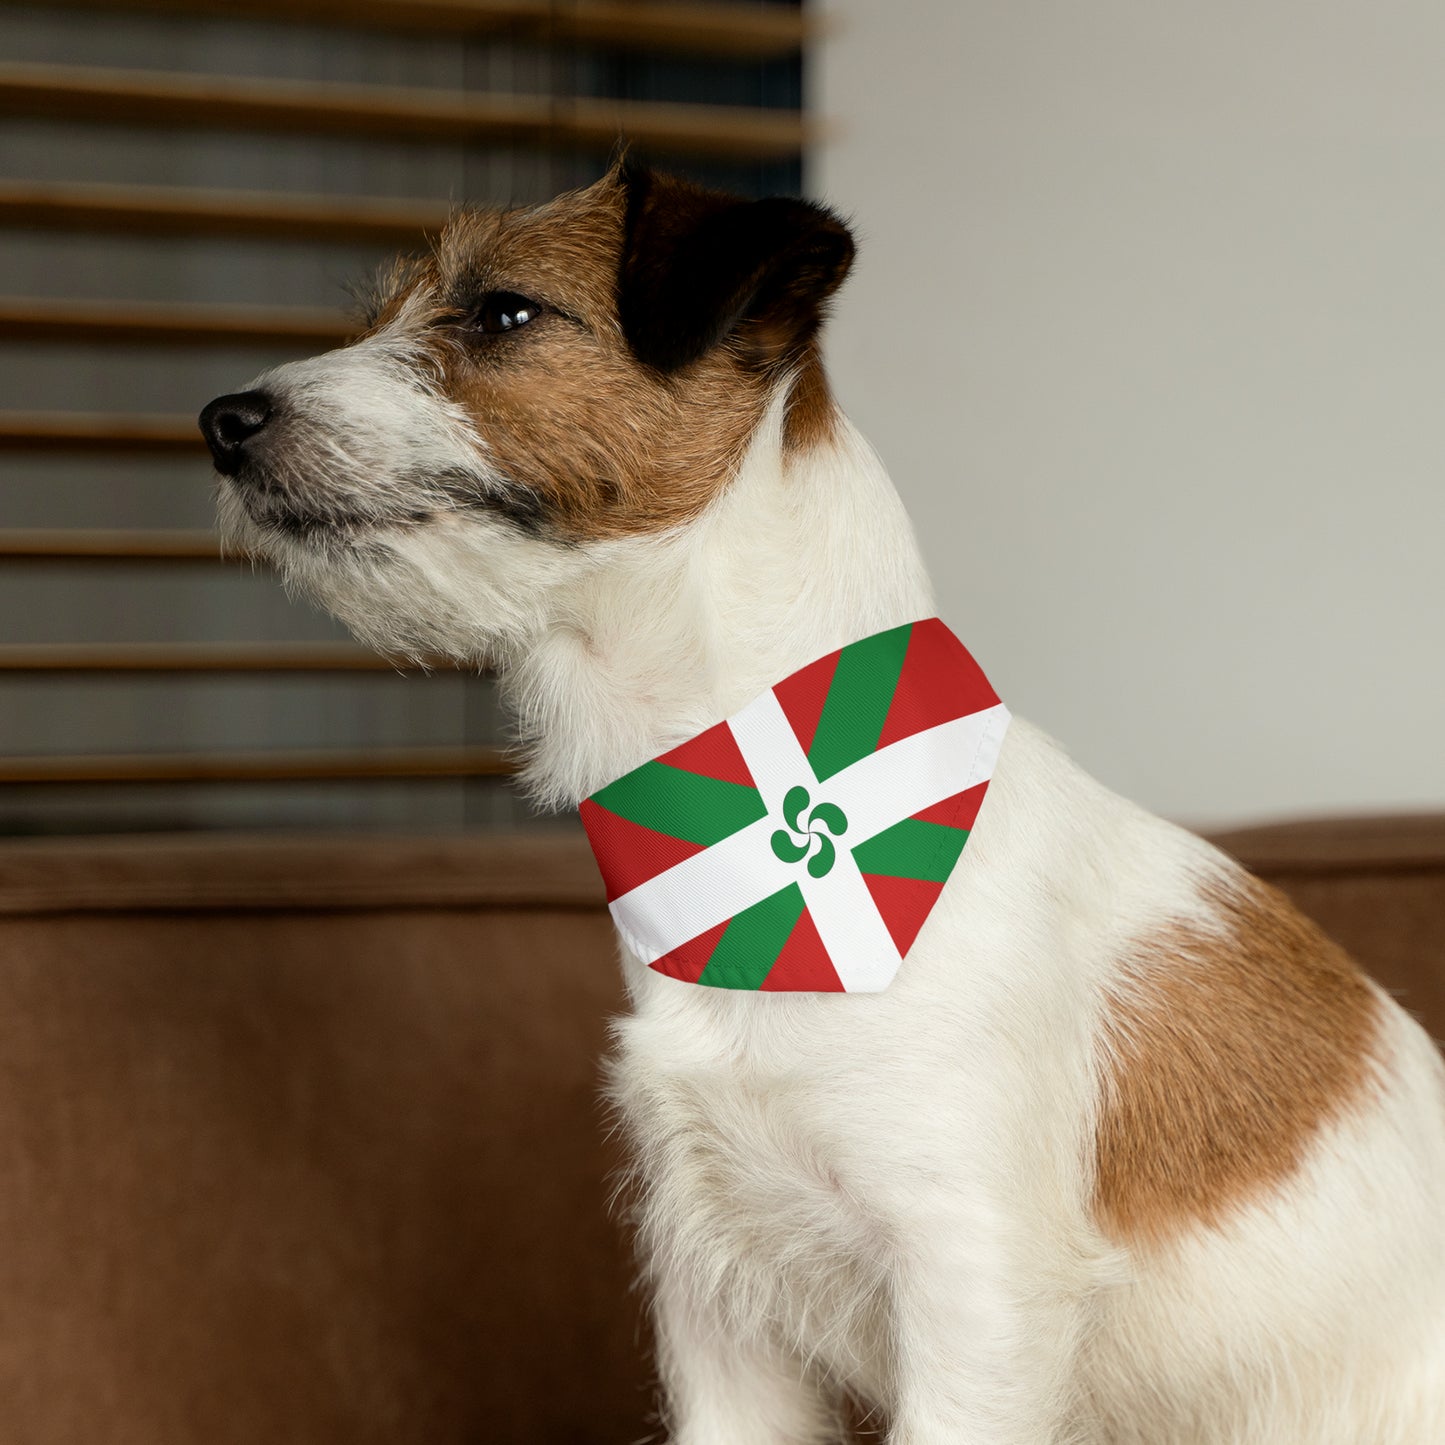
x,y
890,1194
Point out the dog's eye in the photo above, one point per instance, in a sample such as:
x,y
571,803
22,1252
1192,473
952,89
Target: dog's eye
x,y
504,311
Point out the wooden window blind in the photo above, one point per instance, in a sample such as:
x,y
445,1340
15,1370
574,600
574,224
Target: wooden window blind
x,y
185,188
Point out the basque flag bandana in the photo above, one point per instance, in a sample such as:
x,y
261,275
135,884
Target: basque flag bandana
x,y
800,845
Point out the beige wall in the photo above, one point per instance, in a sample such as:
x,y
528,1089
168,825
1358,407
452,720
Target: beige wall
x,y
1149,323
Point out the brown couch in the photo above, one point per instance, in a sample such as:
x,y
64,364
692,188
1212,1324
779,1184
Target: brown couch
x,y
301,1139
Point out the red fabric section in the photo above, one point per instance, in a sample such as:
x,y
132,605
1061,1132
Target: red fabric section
x,y
688,960
627,853
803,966
959,811
904,903
713,754
803,694
939,682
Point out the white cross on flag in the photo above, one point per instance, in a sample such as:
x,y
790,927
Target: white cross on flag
x,y
800,845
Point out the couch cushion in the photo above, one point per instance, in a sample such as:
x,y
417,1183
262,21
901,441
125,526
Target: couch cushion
x,y
1376,885
303,1143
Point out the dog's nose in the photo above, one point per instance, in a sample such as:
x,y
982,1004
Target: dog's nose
x,y
229,422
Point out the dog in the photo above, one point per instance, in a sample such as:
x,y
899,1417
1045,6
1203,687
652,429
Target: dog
x,y
1127,1153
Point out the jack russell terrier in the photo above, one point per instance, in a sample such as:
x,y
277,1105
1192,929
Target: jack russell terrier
x,y
1111,1147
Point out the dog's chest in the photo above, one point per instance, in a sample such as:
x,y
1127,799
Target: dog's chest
x,y
746,1184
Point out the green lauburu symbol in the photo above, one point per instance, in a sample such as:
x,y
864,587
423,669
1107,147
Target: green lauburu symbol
x,y
825,818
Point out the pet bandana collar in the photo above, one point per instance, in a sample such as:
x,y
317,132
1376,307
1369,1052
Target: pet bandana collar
x,y
800,845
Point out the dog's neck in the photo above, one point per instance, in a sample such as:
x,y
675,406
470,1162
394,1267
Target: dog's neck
x,y
803,553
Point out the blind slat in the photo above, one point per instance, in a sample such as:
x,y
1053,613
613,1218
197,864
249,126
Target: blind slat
x,y
166,323
84,431
94,544
258,767
706,29
218,102
165,657
174,210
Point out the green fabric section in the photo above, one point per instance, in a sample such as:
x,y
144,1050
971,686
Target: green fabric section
x,y
751,943
912,849
858,701
682,805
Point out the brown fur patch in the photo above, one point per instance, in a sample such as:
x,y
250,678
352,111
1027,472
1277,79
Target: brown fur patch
x,y
1226,1053
608,446
604,445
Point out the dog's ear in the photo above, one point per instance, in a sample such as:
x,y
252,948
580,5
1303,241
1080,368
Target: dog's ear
x,y
699,266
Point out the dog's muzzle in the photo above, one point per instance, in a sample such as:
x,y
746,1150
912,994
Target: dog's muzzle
x,y
230,422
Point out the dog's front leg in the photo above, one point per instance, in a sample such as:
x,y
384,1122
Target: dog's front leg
x,y
722,1388
984,1347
